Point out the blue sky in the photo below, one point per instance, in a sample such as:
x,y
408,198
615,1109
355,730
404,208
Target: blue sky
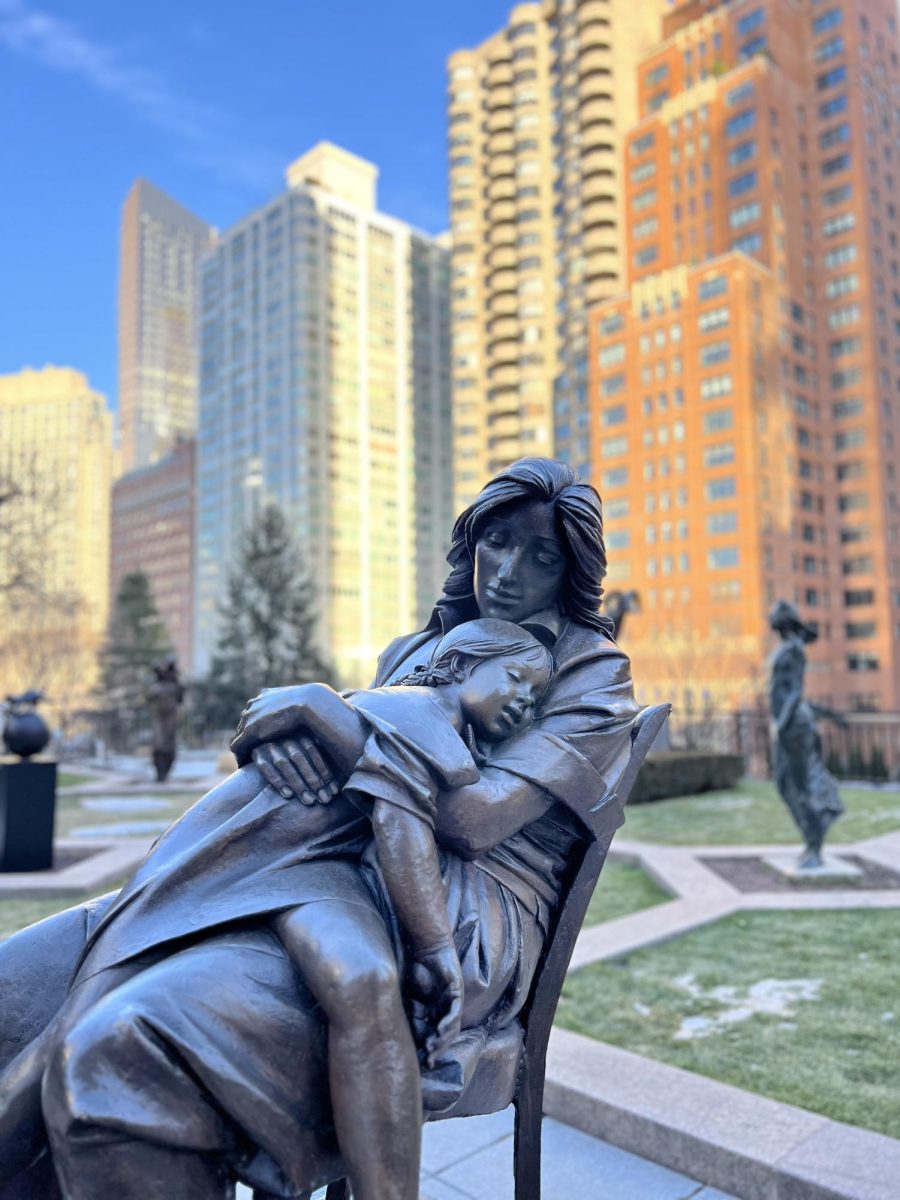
x,y
209,100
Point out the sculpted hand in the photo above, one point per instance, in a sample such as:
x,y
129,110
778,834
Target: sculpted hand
x,y
296,767
274,714
436,986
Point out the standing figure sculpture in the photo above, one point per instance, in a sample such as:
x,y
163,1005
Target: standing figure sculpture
x,y
803,781
618,605
164,698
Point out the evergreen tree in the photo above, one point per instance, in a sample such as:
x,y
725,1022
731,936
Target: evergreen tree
x,y
135,640
268,622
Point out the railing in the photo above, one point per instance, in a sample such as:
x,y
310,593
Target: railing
x,y
866,746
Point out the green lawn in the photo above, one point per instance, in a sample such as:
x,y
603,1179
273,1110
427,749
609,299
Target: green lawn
x,y
622,889
753,812
66,779
834,1051
70,813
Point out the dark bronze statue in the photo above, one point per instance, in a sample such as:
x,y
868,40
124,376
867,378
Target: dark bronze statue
x,y
164,698
618,605
337,939
803,781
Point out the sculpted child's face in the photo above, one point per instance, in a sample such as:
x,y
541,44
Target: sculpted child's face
x,y
499,695
519,561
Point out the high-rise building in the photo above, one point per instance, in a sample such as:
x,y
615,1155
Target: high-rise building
x,y
745,391
160,248
153,532
536,119
56,471
325,389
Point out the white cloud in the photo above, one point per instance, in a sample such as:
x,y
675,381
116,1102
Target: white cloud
x,y
201,133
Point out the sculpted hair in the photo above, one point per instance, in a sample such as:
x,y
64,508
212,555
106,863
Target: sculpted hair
x,y
579,521
472,642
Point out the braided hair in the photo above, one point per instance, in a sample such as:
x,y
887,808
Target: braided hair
x,y
474,641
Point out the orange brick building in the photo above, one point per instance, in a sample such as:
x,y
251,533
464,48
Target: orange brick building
x,y
745,391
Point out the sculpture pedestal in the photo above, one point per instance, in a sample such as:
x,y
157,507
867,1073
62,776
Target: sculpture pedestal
x,y
832,870
27,809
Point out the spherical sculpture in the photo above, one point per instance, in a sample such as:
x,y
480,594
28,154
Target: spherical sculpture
x,y
25,732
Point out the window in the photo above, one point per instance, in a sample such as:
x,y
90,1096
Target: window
x,y
642,144
744,214
721,522
831,78
743,183
715,352
742,122
644,170
656,75
841,285
838,224
831,108
841,380
751,22
715,386
862,662
721,489
612,354
613,416
840,255
644,200
713,318
853,502
646,256
754,46
617,477
645,228
834,166
827,20
829,49
859,597
839,135
861,564
741,94
742,153
849,439
847,408
838,195
750,243
841,347
722,557
618,539
612,385
612,324
614,509
712,285
719,454
718,421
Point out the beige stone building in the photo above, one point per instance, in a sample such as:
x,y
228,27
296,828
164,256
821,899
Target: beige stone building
x,y
325,389
537,118
56,470
161,244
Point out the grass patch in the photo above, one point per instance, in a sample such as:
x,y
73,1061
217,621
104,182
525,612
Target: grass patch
x,y
753,812
71,814
835,1054
68,779
622,889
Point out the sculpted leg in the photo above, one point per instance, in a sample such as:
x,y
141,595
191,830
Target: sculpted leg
x,y
345,957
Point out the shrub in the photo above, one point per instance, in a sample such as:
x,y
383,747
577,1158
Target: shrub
x,y
683,773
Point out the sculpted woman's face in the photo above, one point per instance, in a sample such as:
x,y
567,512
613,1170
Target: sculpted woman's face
x,y
519,561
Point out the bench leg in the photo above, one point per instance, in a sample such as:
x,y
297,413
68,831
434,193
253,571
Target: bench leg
x,y
527,1140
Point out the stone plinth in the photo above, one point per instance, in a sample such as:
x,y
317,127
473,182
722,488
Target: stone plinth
x,y
832,870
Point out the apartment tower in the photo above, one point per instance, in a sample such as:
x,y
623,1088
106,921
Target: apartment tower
x,y
536,119
745,389
325,388
161,244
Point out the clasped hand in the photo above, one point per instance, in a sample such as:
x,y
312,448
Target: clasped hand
x,y
271,728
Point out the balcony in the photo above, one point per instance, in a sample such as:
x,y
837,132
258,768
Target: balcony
x,y
597,188
597,59
592,111
500,118
597,134
601,287
595,35
503,279
597,238
503,188
595,87
590,11
502,351
600,160
503,209
501,166
502,305
499,72
502,258
501,142
499,98
504,379
503,328
502,234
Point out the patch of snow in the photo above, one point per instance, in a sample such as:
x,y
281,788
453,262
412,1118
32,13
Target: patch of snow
x,y
768,997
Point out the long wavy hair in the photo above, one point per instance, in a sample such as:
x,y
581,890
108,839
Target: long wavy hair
x,y
579,522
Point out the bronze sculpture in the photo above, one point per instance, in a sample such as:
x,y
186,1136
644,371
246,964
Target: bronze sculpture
x,y
209,1061
164,698
803,781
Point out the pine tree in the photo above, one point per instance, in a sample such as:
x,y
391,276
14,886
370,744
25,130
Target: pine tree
x,y
135,640
267,633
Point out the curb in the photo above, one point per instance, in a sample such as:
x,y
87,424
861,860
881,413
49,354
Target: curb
x,y
753,1147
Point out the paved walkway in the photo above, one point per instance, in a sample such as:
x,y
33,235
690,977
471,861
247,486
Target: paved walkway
x,y
471,1159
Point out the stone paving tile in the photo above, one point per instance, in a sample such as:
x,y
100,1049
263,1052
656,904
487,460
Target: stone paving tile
x,y
574,1164
446,1142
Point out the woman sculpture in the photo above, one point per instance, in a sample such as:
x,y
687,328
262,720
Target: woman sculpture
x,y
802,779
210,1064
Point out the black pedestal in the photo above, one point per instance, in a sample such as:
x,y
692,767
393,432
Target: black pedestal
x,y
27,806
